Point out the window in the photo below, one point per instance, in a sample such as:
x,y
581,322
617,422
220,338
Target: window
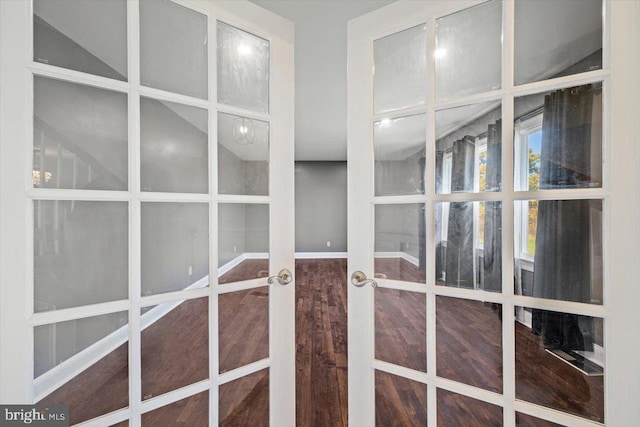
x,y
528,139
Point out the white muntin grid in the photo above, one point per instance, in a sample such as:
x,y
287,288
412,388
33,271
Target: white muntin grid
x,y
508,196
253,23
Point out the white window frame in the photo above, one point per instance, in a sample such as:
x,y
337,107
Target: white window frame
x,y
522,131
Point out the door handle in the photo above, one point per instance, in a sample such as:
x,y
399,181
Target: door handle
x,y
359,279
284,277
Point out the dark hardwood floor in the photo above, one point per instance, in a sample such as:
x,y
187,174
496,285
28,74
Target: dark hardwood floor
x,y
175,352
321,342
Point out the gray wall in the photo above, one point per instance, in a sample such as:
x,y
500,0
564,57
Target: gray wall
x,y
398,228
242,228
321,206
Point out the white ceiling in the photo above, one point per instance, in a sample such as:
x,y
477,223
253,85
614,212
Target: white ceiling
x,y
321,71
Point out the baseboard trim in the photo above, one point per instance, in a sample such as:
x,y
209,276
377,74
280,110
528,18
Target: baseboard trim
x,y
405,256
231,264
320,255
56,377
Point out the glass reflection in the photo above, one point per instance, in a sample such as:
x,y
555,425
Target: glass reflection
x,y
469,51
524,420
400,242
175,247
243,327
192,411
86,356
173,147
243,155
243,242
401,328
556,38
75,262
558,139
173,48
399,401
243,69
559,250
80,138
469,334
400,70
88,36
245,401
560,361
456,410
469,148
469,245
172,332
399,155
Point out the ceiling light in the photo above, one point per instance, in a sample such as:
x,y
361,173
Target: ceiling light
x,y
244,49
384,123
243,131
440,52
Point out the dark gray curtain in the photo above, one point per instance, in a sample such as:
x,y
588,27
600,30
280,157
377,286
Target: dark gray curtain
x,y
440,250
492,264
562,268
459,257
422,241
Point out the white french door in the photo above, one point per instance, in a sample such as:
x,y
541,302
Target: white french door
x,y
147,207
501,262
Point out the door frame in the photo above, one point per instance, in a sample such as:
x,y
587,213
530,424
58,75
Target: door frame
x,y
16,230
622,247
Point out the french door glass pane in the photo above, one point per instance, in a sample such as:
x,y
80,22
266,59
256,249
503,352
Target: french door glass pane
x,y
560,361
245,401
243,69
192,411
555,39
80,253
400,242
173,147
175,247
243,155
400,401
243,327
173,48
400,70
174,345
558,139
469,342
88,36
524,420
243,241
456,410
79,136
67,350
469,245
401,328
469,51
468,148
559,250
399,155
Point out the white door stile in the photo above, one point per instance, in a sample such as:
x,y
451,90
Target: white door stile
x,y
14,348
622,387
621,213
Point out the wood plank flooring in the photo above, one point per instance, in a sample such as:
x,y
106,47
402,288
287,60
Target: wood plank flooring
x,y
469,351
